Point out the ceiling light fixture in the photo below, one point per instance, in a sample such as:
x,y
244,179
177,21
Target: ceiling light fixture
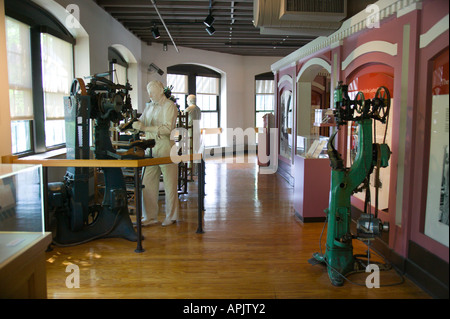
x,y
155,32
209,21
164,24
210,30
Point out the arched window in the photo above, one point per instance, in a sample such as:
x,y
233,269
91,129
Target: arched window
x,y
205,84
40,71
118,66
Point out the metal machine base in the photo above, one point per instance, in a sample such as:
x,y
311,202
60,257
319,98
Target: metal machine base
x,y
109,224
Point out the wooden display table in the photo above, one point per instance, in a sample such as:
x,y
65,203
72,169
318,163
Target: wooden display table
x,y
22,264
133,163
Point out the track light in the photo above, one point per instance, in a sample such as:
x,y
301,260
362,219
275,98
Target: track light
x,y
210,30
155,32
209,20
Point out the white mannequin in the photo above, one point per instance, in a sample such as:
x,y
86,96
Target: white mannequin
x,y
195,115
157,121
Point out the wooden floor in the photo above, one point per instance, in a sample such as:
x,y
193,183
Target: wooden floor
x,y
253,247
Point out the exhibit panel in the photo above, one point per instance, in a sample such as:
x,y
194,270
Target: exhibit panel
x,y
286,123
437,207
284,119
429,232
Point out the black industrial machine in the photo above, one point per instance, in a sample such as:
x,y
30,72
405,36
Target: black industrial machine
x,y
77,221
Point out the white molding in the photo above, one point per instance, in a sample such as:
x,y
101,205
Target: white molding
x,y
295,56
349,27
408,9
311,62
440,27
318,85
336,44
372,46
285,78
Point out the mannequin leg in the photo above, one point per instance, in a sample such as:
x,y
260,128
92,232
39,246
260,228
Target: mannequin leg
x,y
170,177
150,192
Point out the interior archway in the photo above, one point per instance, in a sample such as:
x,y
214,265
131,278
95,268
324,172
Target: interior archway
x,y
313,92
132,71
214,112
367,79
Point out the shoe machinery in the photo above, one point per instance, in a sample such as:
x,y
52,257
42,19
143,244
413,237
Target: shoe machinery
x,y
99,103
345,181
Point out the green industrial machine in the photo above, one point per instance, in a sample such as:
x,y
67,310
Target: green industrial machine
x,y
345,181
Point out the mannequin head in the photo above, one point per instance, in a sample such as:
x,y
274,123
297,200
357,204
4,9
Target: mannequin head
x,y
155,91
191,100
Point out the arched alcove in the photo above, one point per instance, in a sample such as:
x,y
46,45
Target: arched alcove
x,y
214,115
313,91
123,56
368,78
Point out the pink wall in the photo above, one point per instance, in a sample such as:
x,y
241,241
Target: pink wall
x,y
432,12
415,96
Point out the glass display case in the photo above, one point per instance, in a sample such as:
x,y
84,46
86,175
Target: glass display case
x,y
312,146
323,116
21,198
22,232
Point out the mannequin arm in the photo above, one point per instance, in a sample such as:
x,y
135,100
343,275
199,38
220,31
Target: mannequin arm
x,y
168,117
138,125
169,120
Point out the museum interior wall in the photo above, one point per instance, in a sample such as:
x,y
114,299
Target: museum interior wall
x,y
97,31
405,49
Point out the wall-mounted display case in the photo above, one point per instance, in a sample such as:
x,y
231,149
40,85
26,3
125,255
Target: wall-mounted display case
x,y
324,117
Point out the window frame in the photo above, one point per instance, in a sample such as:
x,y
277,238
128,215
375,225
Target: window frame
x,y
216,110
264,77
181,93
192,71
40,21
24,120
115,58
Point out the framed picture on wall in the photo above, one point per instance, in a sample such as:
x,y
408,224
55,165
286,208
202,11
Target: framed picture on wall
x,y
286,117
436,215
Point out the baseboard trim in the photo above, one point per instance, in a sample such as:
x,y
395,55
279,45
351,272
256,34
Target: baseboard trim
x,y
309,219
